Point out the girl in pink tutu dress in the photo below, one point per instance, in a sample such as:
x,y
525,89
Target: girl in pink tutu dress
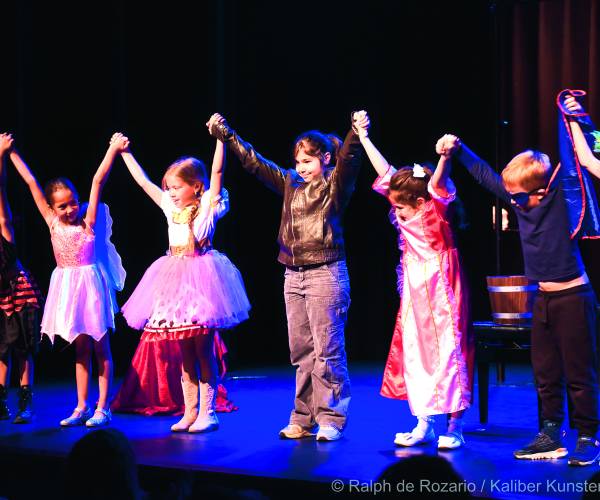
x,y
430,362
193,291
81,299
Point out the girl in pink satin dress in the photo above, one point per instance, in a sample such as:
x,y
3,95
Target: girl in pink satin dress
x,y
431,357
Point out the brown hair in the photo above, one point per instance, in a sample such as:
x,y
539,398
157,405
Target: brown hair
x,y
315,143
406,189
190,170
530,169
57,184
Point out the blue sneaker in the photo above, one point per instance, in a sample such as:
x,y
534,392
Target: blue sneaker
x,y
547,444
586,452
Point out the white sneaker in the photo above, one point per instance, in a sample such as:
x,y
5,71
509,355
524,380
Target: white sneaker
x,y
414,438
328,433
450,441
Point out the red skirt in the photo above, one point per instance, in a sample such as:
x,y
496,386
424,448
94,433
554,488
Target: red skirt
x,y
152,384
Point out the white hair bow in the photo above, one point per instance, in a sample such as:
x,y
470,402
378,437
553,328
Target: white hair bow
x,y
418,171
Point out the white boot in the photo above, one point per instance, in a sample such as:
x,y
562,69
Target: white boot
x,y
207,417
190,399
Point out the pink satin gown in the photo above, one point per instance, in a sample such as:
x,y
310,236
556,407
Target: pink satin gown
x,y
431,358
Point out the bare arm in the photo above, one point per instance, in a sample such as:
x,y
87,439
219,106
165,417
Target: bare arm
x,y
34,187
361,126
6,227
118,143
582,148
137,172
445,147
218,165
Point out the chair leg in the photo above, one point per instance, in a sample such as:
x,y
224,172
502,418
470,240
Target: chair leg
x,y
483,374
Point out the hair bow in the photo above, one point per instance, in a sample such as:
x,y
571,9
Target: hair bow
x,y
418,171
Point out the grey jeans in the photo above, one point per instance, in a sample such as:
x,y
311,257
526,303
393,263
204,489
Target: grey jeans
x,y
317,301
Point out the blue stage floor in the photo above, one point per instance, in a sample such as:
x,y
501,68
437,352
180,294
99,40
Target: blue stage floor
x,y
248,445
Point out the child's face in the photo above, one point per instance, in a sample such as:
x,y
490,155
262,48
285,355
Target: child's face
x,y
522,199
310,167
182,194
65,206
404,211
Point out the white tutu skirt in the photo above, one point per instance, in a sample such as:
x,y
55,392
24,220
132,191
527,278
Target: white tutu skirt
x,y
204,290
79,301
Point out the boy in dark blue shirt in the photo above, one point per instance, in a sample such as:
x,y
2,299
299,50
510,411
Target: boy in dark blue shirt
x,y
563,336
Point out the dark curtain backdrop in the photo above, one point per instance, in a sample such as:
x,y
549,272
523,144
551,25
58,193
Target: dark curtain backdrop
x,y
544,47
72,76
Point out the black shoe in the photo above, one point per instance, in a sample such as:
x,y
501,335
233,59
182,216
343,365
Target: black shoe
x,y
25,413
586,452
547,444
4,411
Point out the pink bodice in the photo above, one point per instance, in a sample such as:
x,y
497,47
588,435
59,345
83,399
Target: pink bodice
x,y
72,246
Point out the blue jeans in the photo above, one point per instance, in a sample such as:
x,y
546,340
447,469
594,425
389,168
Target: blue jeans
x,y
317,301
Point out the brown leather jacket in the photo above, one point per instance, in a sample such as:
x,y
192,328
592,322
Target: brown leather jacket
x,y
311,229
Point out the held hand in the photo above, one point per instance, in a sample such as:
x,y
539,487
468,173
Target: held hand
x,y
6,143
214,119
119,143
572,105
447,145
361,123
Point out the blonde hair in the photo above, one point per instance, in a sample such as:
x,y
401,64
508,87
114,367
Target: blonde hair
x,y
529,169
190,170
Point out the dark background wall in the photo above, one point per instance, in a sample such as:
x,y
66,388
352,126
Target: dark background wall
x,y
71,77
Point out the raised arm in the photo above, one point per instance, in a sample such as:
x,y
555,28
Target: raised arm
x,y
582,148
482,172
445,147
218,165
361,126
270,174
34,187
6,227
118,144
137,172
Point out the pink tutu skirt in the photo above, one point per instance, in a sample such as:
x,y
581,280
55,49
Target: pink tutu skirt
x,y
181,292
79,301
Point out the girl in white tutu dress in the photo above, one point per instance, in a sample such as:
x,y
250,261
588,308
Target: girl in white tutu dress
x,y
81,297
193,291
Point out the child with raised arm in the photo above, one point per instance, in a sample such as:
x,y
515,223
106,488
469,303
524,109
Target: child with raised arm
x,y
20,302
194,291
81,300
317,286
563,333
431,357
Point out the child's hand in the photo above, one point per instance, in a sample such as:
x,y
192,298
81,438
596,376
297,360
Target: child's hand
x,y
119,143
447,145
361,123
215,118
6,143
572,105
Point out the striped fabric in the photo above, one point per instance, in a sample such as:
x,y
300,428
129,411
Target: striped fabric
x,y
20,291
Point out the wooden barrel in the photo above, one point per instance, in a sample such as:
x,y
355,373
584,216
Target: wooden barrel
x,y
511,298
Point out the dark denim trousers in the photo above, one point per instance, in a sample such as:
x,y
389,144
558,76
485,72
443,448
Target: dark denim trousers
x,y
317,301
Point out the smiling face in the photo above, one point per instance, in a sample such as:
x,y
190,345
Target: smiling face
x,y
66,205
310,167
182,194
